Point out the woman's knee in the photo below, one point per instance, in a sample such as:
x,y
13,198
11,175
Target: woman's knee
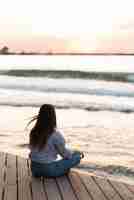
x,y
79,154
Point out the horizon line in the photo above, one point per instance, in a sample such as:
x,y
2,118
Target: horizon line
x,y
61,53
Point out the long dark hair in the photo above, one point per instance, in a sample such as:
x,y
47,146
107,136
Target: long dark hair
x,y
44,126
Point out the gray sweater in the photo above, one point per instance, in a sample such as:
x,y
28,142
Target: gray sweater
x,y
55,146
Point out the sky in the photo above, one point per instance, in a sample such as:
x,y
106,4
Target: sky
x,y
67,25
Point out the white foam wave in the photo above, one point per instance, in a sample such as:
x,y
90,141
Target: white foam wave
x,y
66,100
91,87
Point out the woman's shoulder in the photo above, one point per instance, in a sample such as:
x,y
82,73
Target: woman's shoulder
x,y
58,132
58,136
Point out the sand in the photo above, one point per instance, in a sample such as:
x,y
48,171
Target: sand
x,y
103,141
109,145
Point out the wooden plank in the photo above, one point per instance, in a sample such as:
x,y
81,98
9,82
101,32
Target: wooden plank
x,y
65,188
10,192
38,190
92,187
22,169
78,186
1,192
2,167
10,181
37,187
51,189
24,189
2,171
11,170
107,189
29,169
122,190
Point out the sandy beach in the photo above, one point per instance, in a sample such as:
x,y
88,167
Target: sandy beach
x,y
108,147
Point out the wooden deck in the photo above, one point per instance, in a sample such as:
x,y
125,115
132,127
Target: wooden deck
x,y
16,183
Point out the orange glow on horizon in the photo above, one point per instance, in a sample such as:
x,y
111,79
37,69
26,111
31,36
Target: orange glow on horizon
x,y
67,26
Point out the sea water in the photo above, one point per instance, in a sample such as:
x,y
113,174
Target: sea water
x,y
96,91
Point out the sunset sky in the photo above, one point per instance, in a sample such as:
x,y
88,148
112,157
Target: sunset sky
x,y
67,25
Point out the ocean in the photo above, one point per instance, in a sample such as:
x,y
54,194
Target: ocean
x,y
96,91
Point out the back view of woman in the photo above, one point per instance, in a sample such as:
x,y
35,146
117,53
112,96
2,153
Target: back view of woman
x,y
46,143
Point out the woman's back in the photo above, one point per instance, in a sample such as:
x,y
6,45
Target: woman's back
x,y
50,151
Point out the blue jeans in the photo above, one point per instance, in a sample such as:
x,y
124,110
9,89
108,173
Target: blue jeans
x,y
56,168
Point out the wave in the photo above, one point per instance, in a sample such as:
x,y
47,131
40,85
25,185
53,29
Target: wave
x,y
93,108
107,76
110,169
89,95
70,86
